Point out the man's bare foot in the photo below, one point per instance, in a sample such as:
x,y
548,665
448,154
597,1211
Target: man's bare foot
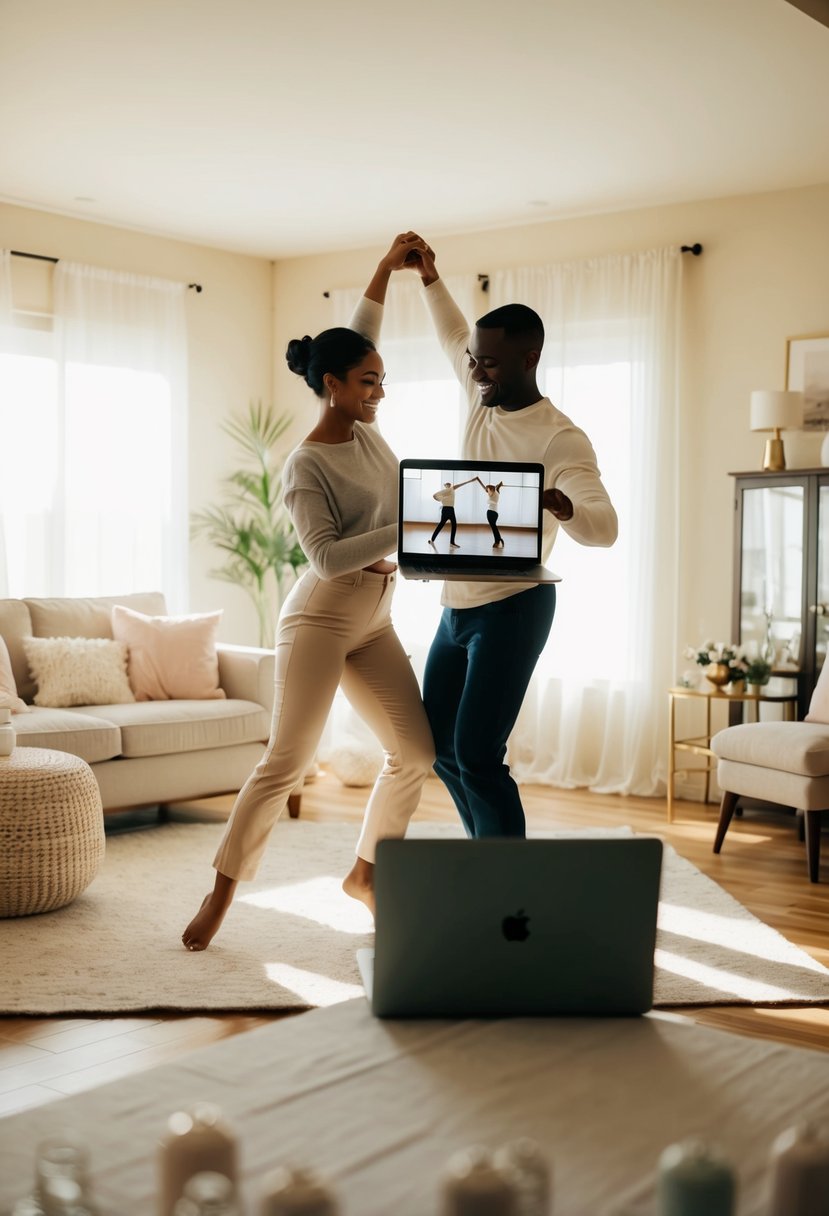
x,y
206,923
359,883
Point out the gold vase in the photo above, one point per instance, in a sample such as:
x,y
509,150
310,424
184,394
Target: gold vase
x,y
717,674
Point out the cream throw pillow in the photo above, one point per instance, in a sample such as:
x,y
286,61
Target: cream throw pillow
x,y
819,704
171,658
78,671
8,688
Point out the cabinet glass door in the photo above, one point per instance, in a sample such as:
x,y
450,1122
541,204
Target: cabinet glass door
x,y
821,605
771,583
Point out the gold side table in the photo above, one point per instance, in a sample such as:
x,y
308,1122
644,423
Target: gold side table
x,y
700,745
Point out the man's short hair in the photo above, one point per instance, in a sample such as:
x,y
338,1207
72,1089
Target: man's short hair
x,y
517,321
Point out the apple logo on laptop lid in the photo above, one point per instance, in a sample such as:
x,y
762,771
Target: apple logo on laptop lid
x,y
514,928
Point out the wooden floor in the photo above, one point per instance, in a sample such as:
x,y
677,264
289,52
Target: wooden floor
x,y
762,865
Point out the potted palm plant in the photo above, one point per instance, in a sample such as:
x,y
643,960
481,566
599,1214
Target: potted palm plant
x,y
252,528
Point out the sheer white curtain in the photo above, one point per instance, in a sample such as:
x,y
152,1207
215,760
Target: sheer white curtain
x,y
5,341
93,473
5,288
122,342
594,715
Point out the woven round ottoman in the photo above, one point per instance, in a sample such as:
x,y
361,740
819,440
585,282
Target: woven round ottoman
x,y
51,830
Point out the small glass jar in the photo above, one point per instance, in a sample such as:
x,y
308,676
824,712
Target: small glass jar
x,y
7,732
292,1191
207,1194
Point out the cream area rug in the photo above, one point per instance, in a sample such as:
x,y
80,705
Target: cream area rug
x,y
290,938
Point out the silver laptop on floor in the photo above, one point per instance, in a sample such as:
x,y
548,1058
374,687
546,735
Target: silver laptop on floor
x,y
473,545
500,927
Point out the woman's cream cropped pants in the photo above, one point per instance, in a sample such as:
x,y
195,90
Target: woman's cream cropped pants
x,y
334,631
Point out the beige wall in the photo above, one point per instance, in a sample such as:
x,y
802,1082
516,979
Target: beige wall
x,y
762,278
230,326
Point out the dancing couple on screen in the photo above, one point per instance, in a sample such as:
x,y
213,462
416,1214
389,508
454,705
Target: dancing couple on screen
x,y
339,486
446,498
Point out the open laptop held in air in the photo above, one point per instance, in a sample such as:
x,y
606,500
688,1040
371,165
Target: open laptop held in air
x,y
470,532
498,927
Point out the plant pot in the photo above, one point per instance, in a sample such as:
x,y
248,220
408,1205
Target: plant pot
x,y
755,689
717,674
736,688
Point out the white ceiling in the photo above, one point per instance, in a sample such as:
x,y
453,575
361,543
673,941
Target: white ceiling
x,y
278,129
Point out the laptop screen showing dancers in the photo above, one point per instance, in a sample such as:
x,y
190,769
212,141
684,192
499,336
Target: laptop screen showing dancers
x,y
471,519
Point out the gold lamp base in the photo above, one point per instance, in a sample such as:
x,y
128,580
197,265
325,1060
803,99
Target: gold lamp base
x,y
774,458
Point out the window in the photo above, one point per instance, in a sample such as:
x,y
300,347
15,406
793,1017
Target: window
x,y
93,438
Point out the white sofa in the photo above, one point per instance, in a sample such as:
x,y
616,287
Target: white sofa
x,y
148,752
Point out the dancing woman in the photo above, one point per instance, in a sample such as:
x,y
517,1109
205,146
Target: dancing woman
x,y
493,495
340,487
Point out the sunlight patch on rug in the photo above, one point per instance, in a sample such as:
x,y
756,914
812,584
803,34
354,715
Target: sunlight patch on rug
x,y
717,929
310,987
731,983
319,899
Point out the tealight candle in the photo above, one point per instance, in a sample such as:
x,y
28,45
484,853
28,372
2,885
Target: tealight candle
x,y
800,1172
196,1141
475,1186
693,1181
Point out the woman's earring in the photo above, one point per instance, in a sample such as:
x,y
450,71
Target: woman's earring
x,y
333,402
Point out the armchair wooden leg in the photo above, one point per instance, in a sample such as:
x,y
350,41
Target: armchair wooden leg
x,y
813,844
727,808
294,801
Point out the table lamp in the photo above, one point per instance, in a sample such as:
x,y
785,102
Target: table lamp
x,y
775,411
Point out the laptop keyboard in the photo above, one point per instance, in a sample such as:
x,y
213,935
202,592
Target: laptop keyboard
x,y
486,571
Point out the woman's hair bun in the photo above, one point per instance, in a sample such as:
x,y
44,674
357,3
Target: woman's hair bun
x,y
298,354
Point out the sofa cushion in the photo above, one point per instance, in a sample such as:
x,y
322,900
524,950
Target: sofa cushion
x,y
791,747
15,625
160,728
82,734
171,658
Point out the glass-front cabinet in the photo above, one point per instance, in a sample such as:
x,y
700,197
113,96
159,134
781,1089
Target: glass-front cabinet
x,y
781,572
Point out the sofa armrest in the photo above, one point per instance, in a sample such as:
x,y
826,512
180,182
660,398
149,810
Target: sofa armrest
x,y
246,673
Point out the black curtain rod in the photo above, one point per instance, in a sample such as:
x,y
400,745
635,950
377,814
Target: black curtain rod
x,y
483,279
42,257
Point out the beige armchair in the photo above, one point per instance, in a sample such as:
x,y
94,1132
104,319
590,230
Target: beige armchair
x,y
782,762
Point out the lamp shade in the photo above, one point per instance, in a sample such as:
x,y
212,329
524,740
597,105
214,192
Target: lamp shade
x,y
776,410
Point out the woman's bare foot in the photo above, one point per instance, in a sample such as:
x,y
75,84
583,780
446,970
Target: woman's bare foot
x,y
206,923
359,883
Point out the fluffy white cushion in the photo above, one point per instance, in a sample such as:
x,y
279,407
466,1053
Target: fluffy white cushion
x,y
78,671
8,688
356,764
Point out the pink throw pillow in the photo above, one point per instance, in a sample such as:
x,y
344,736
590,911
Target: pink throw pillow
x,y
8,688
819,704
171,658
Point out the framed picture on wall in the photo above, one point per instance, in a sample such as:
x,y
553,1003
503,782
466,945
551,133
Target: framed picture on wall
x,y
807,371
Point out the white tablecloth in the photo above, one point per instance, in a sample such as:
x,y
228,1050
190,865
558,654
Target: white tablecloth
x,y
379,1106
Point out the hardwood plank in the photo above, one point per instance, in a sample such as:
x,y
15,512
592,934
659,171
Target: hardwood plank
x,y
24,1099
